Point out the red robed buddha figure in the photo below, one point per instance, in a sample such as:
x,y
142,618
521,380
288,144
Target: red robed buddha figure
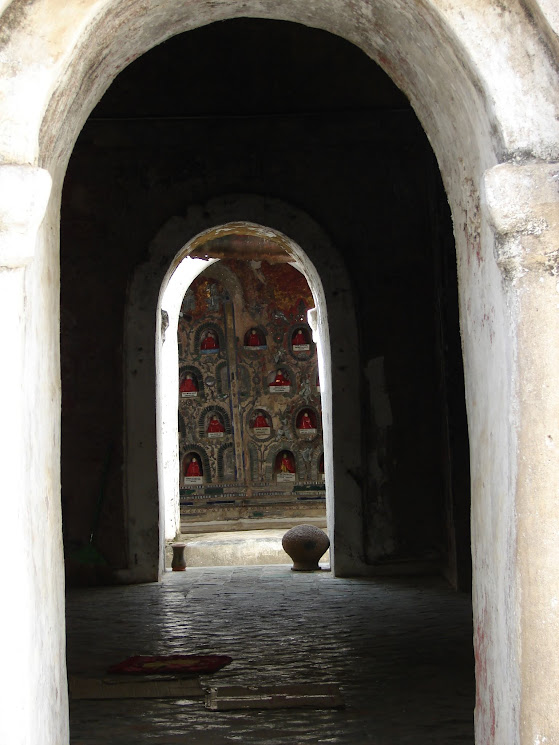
x,y
215,425
299,338
188,385
260,421
254,339
286,464
280,379
193,468
305,422
210,341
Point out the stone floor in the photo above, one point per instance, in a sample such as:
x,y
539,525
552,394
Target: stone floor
x,y
399,649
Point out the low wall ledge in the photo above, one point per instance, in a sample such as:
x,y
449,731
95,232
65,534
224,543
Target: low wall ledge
x,y
24,195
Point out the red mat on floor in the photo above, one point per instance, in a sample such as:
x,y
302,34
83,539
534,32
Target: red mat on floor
x,y
171,663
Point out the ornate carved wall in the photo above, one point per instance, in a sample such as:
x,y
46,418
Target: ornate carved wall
x,y
249,399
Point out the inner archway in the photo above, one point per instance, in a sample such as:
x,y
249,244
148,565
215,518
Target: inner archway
x,y
313,253
262,273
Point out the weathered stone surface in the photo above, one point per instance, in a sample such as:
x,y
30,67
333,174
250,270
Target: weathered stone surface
x,y
25,193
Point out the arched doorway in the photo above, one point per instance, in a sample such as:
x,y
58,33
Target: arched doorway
x,y
312,251
222,377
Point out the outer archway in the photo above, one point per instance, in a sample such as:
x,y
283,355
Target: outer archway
x,y
439,57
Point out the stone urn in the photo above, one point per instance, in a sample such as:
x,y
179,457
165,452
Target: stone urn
x,y
178,563
305,544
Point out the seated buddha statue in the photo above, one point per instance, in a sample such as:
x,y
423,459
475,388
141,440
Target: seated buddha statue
x,y
193,468
280,379
210,341
260,421
215,425
299,338
254,339
188,385
286,465
305,422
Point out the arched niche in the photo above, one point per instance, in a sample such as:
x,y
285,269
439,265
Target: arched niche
x,y
226,462
301,344
285,465
209,340
191,382
282,380
193,468
254,338
260,423
217,414
307,420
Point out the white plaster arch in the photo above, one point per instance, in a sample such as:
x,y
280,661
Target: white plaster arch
x,y
181,274
330,286
175,284
443,55
482,78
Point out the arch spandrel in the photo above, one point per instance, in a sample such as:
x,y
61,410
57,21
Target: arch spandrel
x,y
423,56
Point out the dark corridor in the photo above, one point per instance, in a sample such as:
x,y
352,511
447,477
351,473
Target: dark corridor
x,y
304,117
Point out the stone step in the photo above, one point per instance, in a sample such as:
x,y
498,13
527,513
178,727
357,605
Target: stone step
x,y
234,548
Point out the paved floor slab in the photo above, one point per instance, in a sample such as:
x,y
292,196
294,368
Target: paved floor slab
x,y
400,651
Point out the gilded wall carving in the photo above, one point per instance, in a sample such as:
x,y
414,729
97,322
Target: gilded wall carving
x,y
249,397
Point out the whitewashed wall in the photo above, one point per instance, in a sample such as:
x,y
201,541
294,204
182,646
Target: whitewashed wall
x,y
482,80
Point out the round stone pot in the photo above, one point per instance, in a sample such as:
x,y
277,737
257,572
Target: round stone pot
x,y
305,544
178,563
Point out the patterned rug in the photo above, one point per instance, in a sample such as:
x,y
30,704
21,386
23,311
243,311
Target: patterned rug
x,y
172,663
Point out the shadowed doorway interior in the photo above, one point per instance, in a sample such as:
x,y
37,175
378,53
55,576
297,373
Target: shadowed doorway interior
x,y
329,133
316,125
